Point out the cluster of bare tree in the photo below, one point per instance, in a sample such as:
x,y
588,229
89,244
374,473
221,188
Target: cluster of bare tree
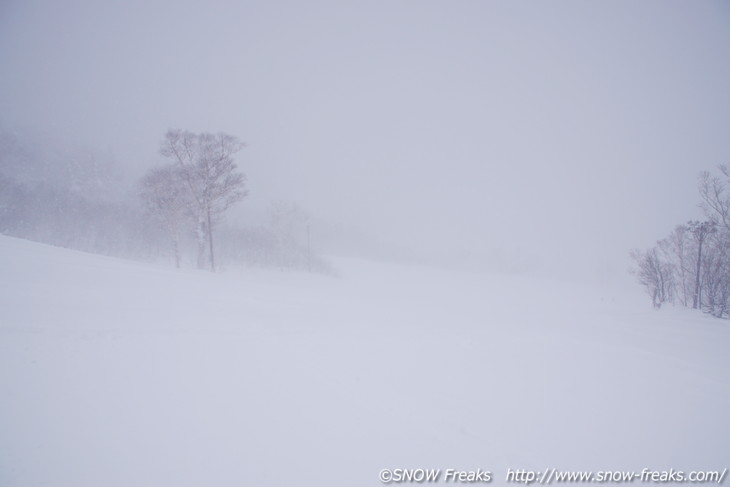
x,y
68,219
692,265
195,189
283,241
256,246
80,199
189,196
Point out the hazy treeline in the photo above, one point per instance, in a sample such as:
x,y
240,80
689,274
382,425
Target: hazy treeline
x,y
691,266
83,200
69,197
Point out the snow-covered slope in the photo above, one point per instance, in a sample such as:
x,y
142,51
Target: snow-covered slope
x,y
115,373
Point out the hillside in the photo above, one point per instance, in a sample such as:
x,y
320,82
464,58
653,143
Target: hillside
x,y
115,373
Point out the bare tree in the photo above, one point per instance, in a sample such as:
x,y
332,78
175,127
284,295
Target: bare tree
x,y
654,274
210,174
678,250
167,198
696,255
715,200
700,231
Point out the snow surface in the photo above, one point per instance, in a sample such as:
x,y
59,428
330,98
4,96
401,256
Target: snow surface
x,y
115,373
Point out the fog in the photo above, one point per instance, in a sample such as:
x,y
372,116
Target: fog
x,y
538,137
430,269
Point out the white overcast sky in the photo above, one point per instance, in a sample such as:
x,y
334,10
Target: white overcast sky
x,y
557,131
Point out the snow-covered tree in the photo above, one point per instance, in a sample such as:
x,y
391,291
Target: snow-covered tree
x,y
167,198
715,266
696,255
715,199
700,231
210,174
678,251
654,274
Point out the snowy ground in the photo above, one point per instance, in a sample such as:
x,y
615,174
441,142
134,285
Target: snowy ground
x,y
115,373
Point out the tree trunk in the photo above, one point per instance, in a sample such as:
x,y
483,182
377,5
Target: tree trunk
x,y
201,237
696,301
176,248
210,243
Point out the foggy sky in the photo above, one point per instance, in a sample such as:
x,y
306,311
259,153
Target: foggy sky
x,y
549,132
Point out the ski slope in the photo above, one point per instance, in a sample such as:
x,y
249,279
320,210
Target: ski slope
x,y
115,373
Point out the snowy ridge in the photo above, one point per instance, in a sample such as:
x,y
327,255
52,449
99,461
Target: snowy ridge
x,y
117,373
